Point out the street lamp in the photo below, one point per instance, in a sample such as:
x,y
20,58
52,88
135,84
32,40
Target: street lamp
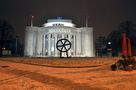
x,y
109,48
109,43
16,45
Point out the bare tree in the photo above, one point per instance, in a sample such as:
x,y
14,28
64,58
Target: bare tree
x,y
130,28
116,36
115,39
7,33
100,46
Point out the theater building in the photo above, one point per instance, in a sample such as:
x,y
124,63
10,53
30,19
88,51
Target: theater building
x,y
41,41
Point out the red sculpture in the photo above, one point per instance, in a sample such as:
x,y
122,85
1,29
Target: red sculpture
x,y
124,45
129,48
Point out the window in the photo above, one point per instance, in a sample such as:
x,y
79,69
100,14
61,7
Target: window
x,y
59,35
72,37
66,36
46,36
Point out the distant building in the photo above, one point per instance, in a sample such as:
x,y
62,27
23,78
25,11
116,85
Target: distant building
x,y
41,41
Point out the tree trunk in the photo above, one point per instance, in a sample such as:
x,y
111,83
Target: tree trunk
x,y
0,48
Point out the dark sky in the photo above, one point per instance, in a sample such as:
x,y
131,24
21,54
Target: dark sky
x,y
103,15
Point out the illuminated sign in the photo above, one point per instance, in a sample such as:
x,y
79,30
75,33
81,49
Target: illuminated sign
x,y
59,22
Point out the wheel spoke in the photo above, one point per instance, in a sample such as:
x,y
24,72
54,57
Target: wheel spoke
x,y
65,48
59,45
65,41
62,42
61,48
67,44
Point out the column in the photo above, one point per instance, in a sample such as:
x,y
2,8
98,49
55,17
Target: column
x,y
43,44
49,43
36,44
74,45
55,48
52,45
69,38
82,43
63,54
62,35
91,43
78,44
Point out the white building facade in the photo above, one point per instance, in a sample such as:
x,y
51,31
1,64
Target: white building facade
x,y
41,41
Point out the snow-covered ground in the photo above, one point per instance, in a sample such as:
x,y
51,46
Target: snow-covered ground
x,y
64,74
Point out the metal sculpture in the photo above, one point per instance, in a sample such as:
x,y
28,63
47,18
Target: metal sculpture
x,y
127,62
63,45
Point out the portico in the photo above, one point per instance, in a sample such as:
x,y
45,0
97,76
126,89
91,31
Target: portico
x,y
41,41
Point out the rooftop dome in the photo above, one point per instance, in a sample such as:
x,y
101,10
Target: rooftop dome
x,y
59,22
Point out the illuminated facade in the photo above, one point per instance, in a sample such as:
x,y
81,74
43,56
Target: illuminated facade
x,y
41,41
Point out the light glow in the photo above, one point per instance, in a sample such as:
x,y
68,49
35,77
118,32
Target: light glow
x,y
67,24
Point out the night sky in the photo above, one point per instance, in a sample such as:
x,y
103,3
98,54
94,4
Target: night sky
x,y
103,15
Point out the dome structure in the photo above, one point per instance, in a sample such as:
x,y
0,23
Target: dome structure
x,y
59,22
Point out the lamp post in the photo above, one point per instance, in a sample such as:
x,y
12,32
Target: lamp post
x,y
32,20
109,48
16,45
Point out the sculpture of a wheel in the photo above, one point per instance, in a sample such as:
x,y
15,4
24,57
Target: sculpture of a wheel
x,y
63,45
